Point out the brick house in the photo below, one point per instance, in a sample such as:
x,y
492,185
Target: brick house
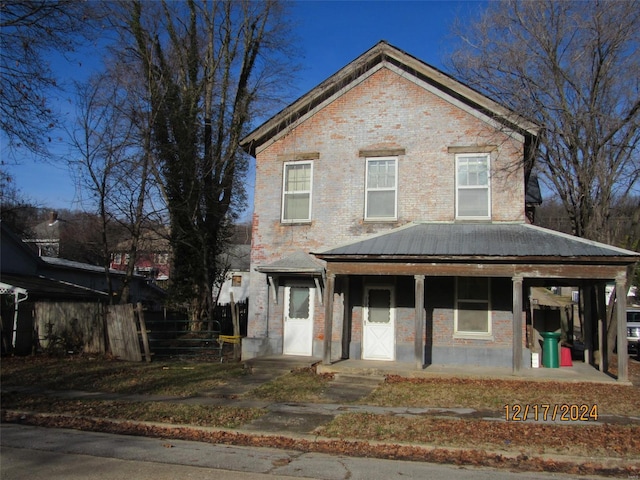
x,y
392,223
152,260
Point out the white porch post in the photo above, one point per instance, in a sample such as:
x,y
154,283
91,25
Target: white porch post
x,y
419,305
621,314
517,324
328,317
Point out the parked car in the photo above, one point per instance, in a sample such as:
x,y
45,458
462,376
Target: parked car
x,y
633,329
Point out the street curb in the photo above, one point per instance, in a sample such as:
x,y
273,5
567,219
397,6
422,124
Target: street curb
x,y
349,447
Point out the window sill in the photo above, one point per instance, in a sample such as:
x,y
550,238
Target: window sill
x,y
473,336
380,220
295,222
473,219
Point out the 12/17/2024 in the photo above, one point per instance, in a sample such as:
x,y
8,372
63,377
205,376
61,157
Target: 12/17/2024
x,y
566,412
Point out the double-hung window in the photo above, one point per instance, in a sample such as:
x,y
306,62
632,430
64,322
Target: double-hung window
x,y
381,188
296,192
473,309
473,197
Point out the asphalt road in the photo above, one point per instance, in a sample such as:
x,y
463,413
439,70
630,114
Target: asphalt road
x,y
33,453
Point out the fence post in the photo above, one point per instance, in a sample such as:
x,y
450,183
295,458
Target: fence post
x,y
143,331
236,327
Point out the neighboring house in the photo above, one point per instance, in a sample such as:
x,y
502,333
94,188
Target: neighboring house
x,y
26,278
391,224
235,263
152,261
93,277
24,285
46,237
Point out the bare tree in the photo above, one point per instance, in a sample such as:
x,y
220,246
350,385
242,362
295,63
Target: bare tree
x,y
207,67
16,210
29,30
111,161
574,68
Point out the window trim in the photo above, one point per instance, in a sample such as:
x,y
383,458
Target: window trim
x,y
285,192
367,190
463,334
459,156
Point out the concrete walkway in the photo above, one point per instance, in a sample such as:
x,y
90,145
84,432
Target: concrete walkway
x,y
352,381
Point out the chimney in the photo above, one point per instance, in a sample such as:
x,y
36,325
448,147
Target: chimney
x,y
53,218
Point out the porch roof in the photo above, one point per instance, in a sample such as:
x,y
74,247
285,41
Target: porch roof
x,y
492,241
297,263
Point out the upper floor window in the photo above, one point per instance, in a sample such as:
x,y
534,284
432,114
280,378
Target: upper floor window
x,y
381,188
296,192
473,199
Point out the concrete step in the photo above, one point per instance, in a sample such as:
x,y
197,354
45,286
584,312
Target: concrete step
x,y
279,365
357,379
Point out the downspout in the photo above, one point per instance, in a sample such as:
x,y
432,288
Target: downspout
x,y
17,292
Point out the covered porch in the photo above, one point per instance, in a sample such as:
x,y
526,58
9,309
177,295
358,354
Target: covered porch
x,y
524,255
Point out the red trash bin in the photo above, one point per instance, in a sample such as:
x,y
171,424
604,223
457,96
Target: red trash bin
x,y
565,357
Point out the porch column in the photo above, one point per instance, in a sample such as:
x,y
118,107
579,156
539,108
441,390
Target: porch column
x,y
587,312
601,309
419,305
621,314
328,317
517,324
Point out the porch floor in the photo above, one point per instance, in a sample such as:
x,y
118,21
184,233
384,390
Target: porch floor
x,y
579,372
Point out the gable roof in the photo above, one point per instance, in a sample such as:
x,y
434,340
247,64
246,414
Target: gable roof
x,y
383,52
498,241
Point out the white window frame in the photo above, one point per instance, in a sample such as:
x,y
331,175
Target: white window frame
x,y
368,189
457,333
459,187
285,192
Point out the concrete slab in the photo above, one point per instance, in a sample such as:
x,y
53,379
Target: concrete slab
x,y
579,372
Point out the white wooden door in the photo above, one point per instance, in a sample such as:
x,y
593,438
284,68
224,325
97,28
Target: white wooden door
x,y
298,321
378,333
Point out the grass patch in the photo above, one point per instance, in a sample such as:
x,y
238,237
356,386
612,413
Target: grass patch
x,y
101,374
619,441
162,412
485,394
298,386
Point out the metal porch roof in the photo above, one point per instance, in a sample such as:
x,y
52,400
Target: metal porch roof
x,y
476,240
297,263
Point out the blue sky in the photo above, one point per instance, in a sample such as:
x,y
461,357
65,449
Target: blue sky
x,y
332,34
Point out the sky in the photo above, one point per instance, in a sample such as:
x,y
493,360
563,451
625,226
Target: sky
x,y
332,34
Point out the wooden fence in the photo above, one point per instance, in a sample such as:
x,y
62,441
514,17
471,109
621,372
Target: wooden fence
x,y
70,326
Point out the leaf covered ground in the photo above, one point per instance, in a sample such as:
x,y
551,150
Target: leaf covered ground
x,y
611,448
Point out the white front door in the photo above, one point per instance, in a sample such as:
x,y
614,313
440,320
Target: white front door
x,y
298,320
378,333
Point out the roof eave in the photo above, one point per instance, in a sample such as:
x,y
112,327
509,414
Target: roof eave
x,y
290,271
496,259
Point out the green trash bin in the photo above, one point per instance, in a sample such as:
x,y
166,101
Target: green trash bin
x,y
550,357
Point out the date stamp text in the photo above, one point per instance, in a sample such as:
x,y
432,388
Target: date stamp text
x,y
566,412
